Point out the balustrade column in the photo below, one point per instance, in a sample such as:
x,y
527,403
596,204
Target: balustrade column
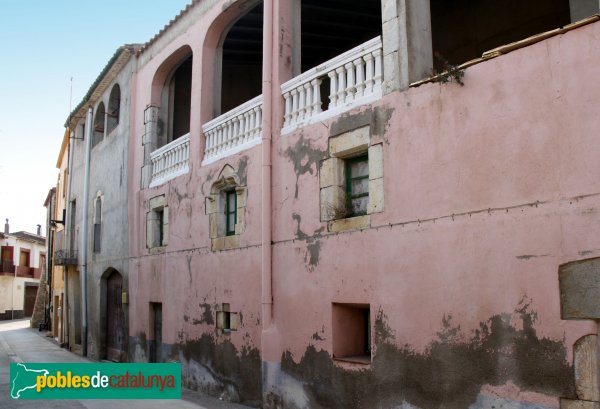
x,y
333,89
316,94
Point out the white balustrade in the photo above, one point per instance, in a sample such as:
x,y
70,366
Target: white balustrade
x,y
171,160
233,131
355,78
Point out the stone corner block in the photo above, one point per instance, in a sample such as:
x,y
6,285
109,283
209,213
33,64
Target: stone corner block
x,y
578,404
332,202
157,202
585,359
376,161
351,223
331,173
350,142
579,282
375,196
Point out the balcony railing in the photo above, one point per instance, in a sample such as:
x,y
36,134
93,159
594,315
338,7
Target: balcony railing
x,y
233,131
355,78
7,267
65,257
170,161
25,271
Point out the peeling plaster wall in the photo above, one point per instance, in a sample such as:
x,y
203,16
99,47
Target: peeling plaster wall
x,y
191,281
488,189
186,276
109,177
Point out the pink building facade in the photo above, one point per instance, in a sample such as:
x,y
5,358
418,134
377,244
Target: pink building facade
x,y
311,225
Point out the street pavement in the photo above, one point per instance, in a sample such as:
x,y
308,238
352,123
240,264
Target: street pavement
x,y
19,343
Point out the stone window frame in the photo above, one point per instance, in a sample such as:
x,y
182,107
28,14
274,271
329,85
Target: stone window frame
x,y
333,182
157,224
97,221
227,182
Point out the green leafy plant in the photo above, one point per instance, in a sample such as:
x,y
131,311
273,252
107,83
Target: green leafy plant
x,y
448,72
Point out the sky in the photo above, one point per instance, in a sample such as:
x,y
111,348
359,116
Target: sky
x,y
43,45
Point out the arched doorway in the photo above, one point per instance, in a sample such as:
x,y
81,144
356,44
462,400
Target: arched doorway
x,y
115,318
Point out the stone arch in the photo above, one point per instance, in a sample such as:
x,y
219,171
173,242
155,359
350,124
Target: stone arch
x,y
114,109
165,69
98,124
227,178
113,324
171,96
213,51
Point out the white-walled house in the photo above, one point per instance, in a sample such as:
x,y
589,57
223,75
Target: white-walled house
x,y
22,257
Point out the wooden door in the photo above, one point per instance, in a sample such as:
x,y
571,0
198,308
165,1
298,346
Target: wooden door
x,y
24,258
115,319
7,259
30,294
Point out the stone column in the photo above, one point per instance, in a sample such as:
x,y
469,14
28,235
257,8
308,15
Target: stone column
x,y
581,9
407,51
149,142
579,282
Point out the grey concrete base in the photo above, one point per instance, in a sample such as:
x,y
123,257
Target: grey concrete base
x,y
491,402
578,404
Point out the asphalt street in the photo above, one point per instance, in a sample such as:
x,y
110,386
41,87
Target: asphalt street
x,y
19,343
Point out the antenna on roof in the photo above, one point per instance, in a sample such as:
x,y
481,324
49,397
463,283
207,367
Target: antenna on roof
x,y
70,100
71,109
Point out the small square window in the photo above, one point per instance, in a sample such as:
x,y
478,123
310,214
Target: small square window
x,y
352,333
230,212
227,321
357,185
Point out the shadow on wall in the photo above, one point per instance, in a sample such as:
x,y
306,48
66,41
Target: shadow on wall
x,y
448,374
217,369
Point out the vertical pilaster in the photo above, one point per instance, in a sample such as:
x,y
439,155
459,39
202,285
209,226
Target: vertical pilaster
x,y
149,141
407,52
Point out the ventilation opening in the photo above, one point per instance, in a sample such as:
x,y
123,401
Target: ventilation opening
x,y
352,333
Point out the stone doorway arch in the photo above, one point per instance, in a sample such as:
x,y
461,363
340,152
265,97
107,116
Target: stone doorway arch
x,y
115,326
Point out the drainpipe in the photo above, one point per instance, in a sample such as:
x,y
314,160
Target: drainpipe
x,y
267,90
84,234
67,244
12,294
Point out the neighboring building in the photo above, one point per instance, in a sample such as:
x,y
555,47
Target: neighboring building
x,y
64,254
304,217
107,262
23,256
